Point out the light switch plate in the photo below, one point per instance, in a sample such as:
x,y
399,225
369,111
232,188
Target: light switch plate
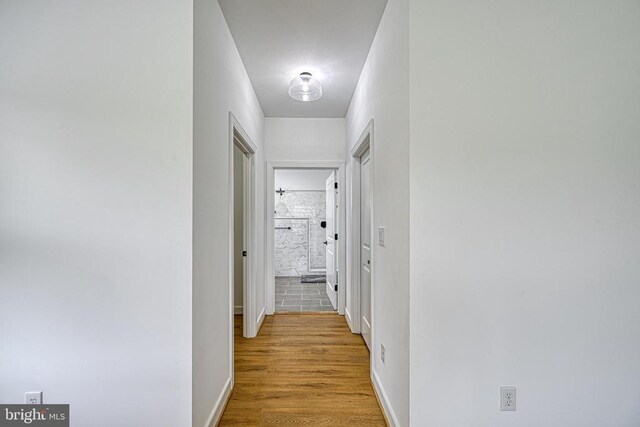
x,y
381,232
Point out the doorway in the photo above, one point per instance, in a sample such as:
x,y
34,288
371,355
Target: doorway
x,y
340,227
239,229
242,230
305,265
360,312
365,247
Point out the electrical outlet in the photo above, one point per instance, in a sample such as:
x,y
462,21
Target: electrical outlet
x,y
508,398
382,351
33,398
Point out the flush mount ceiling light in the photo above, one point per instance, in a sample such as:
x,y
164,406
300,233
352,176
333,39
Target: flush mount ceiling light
x,y
305,88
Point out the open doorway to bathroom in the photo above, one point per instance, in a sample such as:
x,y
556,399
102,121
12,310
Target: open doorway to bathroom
x,y
305,249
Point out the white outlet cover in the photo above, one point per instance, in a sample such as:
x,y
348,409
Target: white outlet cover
x,y
508,398
33,398
381,231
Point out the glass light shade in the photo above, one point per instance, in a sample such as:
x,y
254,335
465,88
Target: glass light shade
x,y
305,88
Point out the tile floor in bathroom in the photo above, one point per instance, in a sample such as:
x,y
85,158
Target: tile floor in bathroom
x,y
293,295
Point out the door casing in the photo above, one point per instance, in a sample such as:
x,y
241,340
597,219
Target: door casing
x,y
353,312
270,226
251,322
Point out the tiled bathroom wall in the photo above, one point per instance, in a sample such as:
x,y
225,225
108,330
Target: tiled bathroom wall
x,y
300,250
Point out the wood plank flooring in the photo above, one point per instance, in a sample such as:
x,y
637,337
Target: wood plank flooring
x,y
302,369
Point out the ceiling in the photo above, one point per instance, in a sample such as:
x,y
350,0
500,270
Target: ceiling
x,y
279,39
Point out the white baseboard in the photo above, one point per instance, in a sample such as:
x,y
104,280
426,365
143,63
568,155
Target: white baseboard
x,y
237,309
221,403
261,317
347,317
384,400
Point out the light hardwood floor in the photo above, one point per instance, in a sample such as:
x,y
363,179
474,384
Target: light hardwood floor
x,y
302,369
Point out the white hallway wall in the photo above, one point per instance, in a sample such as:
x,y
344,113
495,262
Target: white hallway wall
x,y
382,94
289,139
301,179
221,85
525,212
95,218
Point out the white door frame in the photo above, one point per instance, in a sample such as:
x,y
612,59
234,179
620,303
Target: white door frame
x,y
364,143
270,226
239,138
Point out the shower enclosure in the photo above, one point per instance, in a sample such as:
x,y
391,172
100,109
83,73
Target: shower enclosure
x,y
299,237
